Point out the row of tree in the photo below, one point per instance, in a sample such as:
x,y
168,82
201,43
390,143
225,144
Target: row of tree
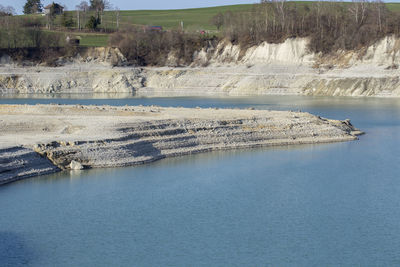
x,y
16,33
36,6
330,25
92,22
84,19
6,11
153,47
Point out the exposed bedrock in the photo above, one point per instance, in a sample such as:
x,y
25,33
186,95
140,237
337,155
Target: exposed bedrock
x,y
286,68
353,86
75,137
18,163
72,79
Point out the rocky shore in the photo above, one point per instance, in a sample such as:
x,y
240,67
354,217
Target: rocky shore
x,y
41,139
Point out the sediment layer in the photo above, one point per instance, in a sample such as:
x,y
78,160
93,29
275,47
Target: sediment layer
x,y
280,69
18,163
48,138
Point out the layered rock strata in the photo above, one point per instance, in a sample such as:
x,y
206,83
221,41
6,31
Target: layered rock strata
x,y
279,69
76,137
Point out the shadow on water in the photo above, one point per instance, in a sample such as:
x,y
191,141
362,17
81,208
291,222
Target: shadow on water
x,y
14,250
174,161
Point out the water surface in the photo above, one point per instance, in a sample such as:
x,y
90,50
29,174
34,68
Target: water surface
x,y
315,205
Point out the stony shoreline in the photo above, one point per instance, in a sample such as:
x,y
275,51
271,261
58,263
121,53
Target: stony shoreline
x,y
41,139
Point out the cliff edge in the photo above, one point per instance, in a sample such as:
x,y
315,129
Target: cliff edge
x,y
286,68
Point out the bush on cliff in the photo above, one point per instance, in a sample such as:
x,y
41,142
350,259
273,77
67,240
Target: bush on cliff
x,y
329,25
149,47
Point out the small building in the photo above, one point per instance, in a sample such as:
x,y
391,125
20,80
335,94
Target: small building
x,y
156,28
152,28
73,40
58,9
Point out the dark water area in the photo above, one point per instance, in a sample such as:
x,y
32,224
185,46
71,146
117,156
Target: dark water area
x,y
313,205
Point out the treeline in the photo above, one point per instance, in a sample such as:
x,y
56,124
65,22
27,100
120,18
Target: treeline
x,y
25,40
152,47
17,33
330,25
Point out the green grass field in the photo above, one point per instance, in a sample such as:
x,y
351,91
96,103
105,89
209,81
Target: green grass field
x,y
193,19
93,39
393,7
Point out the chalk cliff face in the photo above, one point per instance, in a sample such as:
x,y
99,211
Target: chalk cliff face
x,y
292,51
286,68
72,79
105,55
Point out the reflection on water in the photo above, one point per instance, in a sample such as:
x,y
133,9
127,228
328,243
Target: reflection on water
x,y
264,102
14,250
67,96
311,205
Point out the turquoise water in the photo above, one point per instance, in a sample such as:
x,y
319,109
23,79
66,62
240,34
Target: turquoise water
x,y
315,205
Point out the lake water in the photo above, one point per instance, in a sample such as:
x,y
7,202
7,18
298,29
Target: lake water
x,y
313,205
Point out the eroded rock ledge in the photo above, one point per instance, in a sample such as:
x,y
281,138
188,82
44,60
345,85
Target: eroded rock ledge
x,y
47,138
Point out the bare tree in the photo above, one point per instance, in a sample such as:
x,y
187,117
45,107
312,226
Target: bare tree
x,y
50,17
81,18
6,23
116,10
218,20
7,10
280,6
99,5
379,8
358,9
83,6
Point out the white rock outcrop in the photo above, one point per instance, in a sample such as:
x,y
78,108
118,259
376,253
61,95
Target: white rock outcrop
x,y
286,68
75,165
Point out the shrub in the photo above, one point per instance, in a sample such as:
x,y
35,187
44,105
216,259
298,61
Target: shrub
x,y
93,23
147,47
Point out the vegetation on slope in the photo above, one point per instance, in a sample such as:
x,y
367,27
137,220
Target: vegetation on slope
x,y
153,47
331,26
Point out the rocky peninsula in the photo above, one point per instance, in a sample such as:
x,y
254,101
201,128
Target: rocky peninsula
x,y
41,139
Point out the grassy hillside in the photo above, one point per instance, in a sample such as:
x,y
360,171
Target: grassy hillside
x,y
194,20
